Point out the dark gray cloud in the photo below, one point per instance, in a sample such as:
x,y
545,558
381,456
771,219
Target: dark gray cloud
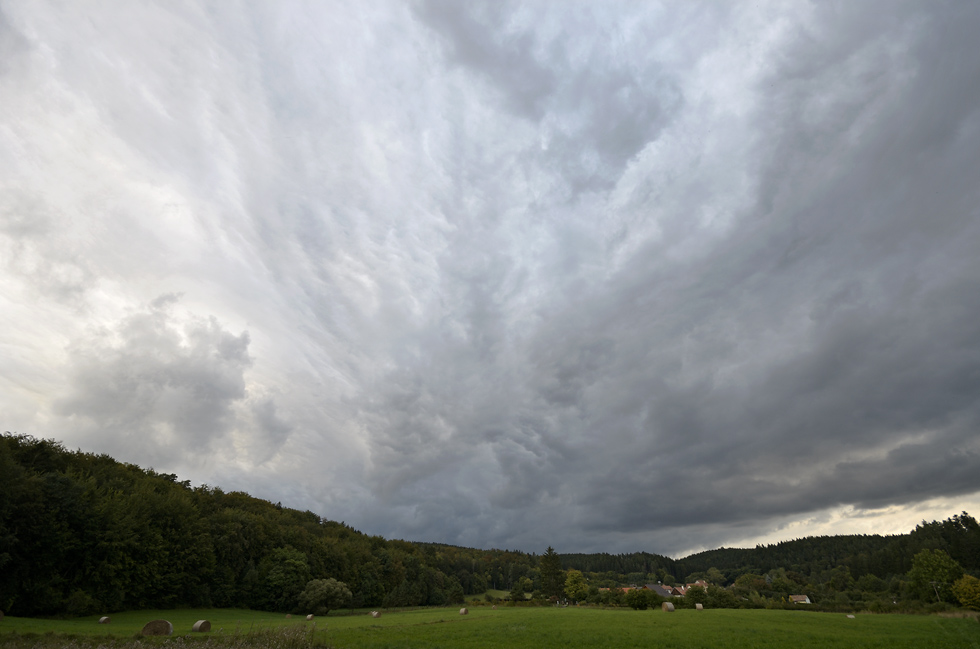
x,y
506,274
803,360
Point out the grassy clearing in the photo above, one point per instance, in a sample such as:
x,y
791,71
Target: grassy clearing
x,y
496,594
514,628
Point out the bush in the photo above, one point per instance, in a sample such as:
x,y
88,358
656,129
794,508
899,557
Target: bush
x,y
939,607
875,607
967,591
80,603
720,598
611,597
637,599
696,595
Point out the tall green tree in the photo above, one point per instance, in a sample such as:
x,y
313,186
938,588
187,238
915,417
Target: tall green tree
x,y
715,576
552,575
454,593
575,586
286,574
933,573
518,592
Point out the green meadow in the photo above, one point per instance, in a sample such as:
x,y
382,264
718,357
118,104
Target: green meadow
x,y
507,627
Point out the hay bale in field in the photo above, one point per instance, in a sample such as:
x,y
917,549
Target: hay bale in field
x,y
667,607
201,626
289,616
158,627
463,611
375,613
104,619
699,607
309,617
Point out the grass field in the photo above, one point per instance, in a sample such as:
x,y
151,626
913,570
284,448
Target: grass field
x,y
510,628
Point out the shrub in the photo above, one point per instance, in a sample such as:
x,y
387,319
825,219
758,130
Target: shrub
x,y
81,603
967,591
637,599
696,595
720,598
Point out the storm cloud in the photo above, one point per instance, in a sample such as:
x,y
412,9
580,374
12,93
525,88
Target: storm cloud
x,y
511,274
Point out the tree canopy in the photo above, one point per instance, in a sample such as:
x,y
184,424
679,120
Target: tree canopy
x,y
323,595
934,571
575,586
82,533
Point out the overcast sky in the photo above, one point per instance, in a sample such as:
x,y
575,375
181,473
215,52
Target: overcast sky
x,y
602,276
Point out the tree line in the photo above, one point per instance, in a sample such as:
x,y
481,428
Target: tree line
x,y
82,533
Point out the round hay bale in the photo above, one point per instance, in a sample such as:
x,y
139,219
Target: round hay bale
x,y
104,619
463,611
699,607
201,626
309,617
158,627
375,613
667,607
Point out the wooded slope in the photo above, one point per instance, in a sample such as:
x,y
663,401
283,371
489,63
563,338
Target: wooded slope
x,y
82,533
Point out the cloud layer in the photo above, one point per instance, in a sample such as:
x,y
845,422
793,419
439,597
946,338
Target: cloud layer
x,y
611,278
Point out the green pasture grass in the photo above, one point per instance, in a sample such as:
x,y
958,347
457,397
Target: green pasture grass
x,y
554,628
538,628
130,623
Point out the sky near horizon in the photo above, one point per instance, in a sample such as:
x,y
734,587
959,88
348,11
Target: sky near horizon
x,y
619,276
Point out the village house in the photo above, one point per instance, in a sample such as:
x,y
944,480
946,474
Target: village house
x,y
663,591
680,591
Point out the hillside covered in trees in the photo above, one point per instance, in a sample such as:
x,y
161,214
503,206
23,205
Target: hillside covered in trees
x,y
82,533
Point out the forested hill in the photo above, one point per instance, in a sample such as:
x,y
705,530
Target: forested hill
x,y
636,567
882,556
82,533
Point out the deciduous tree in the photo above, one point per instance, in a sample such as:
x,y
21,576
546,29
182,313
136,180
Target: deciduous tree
x,y
575,586
932,574
696,595
287,571
518,593
322,595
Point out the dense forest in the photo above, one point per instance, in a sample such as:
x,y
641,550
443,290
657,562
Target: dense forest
x,y
82,533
